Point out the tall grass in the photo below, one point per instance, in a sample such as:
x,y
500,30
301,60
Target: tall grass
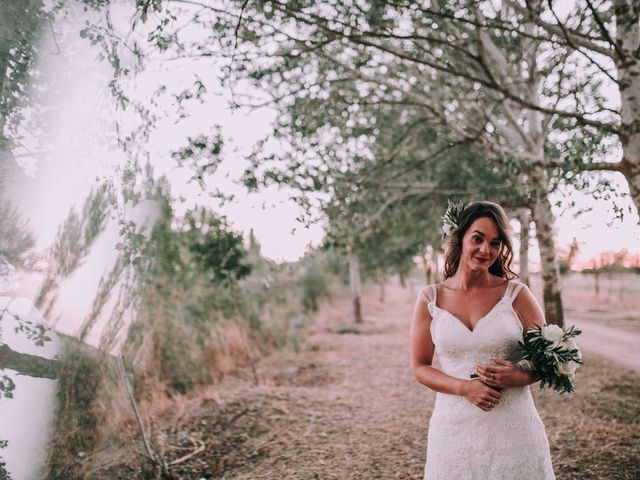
x,y
187,333
77,418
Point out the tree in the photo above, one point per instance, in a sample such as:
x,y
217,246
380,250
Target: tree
x,y
187,278
570,257
606,35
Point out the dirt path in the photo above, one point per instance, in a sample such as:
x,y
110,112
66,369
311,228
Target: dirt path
x,y
346,406
619,346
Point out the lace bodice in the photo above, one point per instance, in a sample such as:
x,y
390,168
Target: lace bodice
x,y
465,442
496,334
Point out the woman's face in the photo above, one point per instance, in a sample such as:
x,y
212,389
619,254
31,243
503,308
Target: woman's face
x,y
481,244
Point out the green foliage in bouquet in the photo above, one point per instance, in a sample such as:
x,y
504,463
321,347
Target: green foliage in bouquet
x,y
554,354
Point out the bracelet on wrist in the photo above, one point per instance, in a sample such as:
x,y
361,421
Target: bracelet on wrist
x,y
526,365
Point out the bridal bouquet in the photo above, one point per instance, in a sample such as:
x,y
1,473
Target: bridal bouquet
x,y
554,355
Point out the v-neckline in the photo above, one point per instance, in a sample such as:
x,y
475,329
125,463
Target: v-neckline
x,y
475,327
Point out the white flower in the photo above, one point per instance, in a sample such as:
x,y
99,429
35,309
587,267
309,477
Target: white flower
x,y
569,344
446,229
552,333
568,368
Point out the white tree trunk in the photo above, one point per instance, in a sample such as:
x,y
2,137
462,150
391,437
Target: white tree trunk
x,y
426,263
544,220
4,143
354,281
628,39
541,208
524,217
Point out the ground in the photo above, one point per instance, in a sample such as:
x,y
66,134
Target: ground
x,y
346,406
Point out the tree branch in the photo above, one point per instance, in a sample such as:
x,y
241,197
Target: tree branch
x,y
575,47
26,364
577,38
605,33
608,166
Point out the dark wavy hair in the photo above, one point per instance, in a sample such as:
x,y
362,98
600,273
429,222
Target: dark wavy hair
x,y
502,266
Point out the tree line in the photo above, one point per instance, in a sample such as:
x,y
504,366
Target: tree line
x,y
388,108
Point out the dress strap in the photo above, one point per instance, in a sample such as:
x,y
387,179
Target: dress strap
x,y
428,294
513,289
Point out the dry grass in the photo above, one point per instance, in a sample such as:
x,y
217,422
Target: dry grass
x,y
95,428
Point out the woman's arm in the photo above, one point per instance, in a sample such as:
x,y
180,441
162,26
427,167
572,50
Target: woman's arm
x,y
508,374
422,349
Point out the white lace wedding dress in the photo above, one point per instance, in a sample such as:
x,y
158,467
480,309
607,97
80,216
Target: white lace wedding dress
x,y
465,442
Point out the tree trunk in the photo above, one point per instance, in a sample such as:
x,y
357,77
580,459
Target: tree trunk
x,y
354,281
541,211
628,66
544,220
3,74
4,144
426,265
524,217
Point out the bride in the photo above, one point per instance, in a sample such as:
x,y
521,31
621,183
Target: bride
x,y
484,424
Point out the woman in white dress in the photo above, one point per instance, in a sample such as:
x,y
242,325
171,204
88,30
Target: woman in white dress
x,y
484,424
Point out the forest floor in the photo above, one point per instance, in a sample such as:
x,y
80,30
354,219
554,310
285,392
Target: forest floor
x,y
346,406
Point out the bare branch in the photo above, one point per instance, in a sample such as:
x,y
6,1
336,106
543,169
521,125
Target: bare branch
x,y
608,166
577,38
27,364
605,33
427,188
575,47
417,99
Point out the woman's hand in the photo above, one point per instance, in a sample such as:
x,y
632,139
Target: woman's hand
x,y
504,375
481,395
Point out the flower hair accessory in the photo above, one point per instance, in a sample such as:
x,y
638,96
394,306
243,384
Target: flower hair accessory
x,y
451,217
